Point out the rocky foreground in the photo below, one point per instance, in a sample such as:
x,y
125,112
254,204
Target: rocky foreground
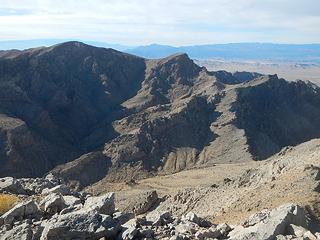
x,y
48,209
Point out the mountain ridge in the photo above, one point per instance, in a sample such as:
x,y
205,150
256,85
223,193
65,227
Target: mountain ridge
x,y
101,113
244,51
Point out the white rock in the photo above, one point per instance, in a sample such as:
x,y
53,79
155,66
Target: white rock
x,y
20,211
62,189
159,218
53,203
129,229
309,235
296,230
207,233
103,204
35,185
20,232
281,237
80,225
223,228
187,227
273,223
192,217
71,209
10,184
71,200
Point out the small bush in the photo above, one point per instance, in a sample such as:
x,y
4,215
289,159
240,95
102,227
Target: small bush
x,y
7,202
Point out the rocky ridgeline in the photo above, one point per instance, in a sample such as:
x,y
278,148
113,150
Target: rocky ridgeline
x,y
48,209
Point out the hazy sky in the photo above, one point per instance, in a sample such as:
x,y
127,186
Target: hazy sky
x,y
175,22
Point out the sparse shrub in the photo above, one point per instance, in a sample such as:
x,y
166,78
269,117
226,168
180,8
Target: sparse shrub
x,y
7,201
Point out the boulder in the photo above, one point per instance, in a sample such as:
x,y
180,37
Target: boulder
x,y
129,229
159,218
309,235
223,228
189,228
103,204
53,179
122,217
37,230
21,232
298,231
256,218
35,185
62,189
11,185
110,227
53,203
272,223
191,217
71,209
21,211
208,233
147,200
71,200
80,225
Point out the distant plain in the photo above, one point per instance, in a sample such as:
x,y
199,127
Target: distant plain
x,y
289,70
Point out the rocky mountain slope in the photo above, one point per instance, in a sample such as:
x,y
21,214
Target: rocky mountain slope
x,y
98,113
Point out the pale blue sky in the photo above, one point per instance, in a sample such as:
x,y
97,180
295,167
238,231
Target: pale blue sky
x,y
178,22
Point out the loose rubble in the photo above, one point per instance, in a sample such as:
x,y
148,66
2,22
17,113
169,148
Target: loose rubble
x,y
56,212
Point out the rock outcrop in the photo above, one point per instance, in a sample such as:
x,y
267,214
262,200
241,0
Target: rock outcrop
x,y
22,211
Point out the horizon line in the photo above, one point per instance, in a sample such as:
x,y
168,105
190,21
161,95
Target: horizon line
x,y
62,40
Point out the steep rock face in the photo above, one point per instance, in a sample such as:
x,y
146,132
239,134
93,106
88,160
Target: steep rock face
x,y
86,170
62,93
24,152
158,139
276,113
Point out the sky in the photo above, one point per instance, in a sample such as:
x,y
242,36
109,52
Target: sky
x,y
172,22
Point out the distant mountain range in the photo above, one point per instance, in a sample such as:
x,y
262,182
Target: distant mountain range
x,y
300,52
239,51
